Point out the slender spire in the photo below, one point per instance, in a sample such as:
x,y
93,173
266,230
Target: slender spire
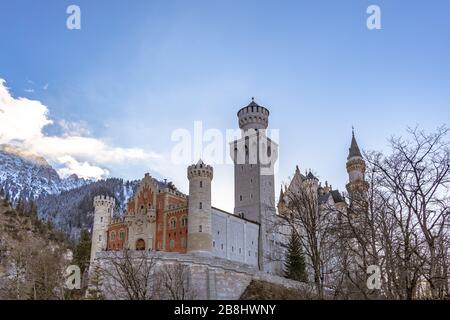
x,y
281,193
353,151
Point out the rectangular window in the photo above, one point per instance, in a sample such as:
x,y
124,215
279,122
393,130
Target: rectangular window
x,y
201,205
199,228
214,244
201,184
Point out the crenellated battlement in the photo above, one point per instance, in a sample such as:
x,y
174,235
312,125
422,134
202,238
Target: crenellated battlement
x,y
253,116
200,170
117,220
103,200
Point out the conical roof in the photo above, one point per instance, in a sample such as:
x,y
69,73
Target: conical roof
x,y
354,151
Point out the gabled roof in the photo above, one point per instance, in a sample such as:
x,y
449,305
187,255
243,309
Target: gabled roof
x,y
337,196
311,176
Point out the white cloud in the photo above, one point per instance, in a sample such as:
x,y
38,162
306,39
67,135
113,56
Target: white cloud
x,y
82,169
71,128
22,122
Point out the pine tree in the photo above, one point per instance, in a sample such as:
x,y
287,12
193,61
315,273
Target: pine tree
x,y
94,291
82,252
32,211
295,260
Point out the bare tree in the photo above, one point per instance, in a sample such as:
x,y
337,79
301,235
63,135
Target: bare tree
x,y
35,271
415,179
128,274
174,282
313,227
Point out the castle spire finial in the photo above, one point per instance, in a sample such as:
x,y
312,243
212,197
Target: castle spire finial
x,y
353,151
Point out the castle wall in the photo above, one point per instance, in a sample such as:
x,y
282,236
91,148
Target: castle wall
x,y
234,238
211,278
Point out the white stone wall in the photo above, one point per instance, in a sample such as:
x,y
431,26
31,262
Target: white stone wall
x,y
234,238
213,278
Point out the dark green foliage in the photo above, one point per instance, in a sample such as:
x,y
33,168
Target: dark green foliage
x,y
295,260
82,251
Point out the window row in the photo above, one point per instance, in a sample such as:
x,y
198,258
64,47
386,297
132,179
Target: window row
x,y
173,222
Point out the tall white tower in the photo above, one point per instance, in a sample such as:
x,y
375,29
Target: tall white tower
x,y
103,209
199,214
254,156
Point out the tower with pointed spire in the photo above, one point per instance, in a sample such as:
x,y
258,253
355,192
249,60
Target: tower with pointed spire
x,y
357,186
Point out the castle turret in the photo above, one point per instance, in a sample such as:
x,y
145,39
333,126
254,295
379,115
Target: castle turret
x,y
103,209
253,116
357,187
200,176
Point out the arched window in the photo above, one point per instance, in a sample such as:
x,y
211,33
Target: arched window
x,y
184,221
140,245
173,223
122,235
172,244
183,242
201,184
200,228
113,235
201,205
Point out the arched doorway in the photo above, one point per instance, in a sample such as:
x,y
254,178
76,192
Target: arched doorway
x,y
140,244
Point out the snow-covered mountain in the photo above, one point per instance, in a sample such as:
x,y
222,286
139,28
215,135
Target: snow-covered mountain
x,y
68,202
26,175
72,210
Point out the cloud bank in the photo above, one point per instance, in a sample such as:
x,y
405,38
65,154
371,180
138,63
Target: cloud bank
x,y
75,151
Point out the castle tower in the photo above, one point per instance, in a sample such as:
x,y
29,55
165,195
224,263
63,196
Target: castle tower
x,y
357,187
254,156
199,214
103,209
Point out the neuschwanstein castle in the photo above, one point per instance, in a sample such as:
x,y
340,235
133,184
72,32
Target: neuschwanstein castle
x,y
161,218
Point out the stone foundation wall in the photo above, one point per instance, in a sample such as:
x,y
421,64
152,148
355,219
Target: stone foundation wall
x,y
213,278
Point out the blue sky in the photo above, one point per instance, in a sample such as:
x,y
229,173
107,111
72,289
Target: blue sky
x,y
138,70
